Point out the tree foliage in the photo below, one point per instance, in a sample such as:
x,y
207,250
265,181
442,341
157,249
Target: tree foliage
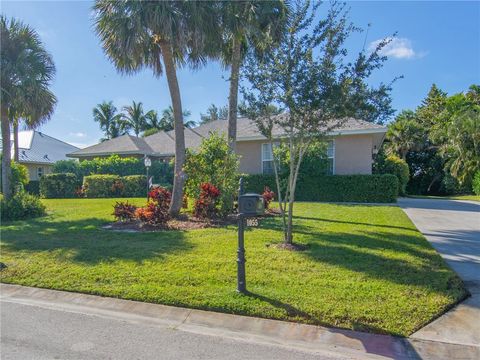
x,y
309,77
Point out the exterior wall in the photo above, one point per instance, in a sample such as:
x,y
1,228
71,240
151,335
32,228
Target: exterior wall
x,y
33,170
353,154
250,156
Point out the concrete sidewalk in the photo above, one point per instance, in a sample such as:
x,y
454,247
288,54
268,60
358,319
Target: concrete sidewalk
x,y
329,343
453,228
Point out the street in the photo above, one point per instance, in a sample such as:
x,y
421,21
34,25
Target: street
x,y
33,332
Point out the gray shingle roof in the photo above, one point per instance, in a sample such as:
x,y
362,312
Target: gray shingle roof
x,y
163,143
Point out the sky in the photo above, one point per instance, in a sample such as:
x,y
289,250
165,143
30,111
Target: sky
x,y
435,42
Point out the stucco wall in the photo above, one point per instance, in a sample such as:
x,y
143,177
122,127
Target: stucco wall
x,y
353,154
250,156
32,170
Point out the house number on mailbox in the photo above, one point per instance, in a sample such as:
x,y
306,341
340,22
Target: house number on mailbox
x,y
252,222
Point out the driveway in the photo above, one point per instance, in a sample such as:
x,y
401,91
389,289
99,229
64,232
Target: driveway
x,y
453,228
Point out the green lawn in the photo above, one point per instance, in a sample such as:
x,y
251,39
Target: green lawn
x,y
366,268
470,197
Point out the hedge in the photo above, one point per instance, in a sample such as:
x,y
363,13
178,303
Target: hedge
x,y
334,188
103,186
33,187
134,186
115,165
58,185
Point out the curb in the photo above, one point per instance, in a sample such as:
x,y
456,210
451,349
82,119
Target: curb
x,y
309,338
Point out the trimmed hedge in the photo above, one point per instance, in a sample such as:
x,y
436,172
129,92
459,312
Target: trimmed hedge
x,y
334,188
134,186
33,187
58,185
102,186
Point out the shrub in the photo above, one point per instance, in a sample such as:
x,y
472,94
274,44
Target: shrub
x,y
123,211
33,187
101,186
162,172
268,196
58,185
161,196
153,213
21,206
476,183
335,188
134,185
214,163
392,164
206,204
19,178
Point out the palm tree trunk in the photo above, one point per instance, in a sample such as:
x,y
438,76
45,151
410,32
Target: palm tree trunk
x,y
15,141
6,165
179,178
233,95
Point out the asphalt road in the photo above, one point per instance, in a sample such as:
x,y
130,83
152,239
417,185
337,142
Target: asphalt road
x,y
33,332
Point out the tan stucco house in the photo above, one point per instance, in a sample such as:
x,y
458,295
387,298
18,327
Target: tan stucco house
x,y
350,149
38,152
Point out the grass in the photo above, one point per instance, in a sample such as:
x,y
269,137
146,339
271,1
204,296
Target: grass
x,y
470,197
366,267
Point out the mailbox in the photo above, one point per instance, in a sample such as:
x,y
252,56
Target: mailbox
x,y
251,204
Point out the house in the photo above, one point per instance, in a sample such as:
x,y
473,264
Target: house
x,y
351,146
38,152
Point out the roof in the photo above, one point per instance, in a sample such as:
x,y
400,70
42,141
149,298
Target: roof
x,y
36,147
163,143
125,144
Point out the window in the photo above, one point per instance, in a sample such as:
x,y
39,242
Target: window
x,y
267,159
39,172
331,157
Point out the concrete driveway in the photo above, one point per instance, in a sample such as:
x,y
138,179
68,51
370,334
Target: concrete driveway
x,y
453,228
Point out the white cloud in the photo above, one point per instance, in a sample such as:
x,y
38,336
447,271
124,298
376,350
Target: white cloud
x,y
400,48
78,134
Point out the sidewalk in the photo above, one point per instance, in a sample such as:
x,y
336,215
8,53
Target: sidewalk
x,y
316,339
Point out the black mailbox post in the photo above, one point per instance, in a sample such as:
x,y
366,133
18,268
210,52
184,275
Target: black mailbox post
x,y
248,205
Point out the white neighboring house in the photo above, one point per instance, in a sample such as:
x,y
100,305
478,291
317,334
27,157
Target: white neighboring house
x,y
38,152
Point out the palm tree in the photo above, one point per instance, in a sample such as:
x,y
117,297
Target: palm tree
x,y
160,35
134,118
405,134
27,70
110,121
246,25
167,120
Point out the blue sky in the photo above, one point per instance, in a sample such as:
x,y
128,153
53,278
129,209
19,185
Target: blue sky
x,y
437,42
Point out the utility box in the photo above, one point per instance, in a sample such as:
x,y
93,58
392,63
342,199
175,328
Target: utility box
x,y
251,205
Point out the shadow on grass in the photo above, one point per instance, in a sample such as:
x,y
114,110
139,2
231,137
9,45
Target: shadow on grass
x,y
399,256
84,241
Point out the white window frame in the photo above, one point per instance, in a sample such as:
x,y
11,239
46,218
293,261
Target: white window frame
x,y
333,155
263,159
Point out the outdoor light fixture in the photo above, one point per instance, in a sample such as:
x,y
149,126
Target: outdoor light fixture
x,y
148,162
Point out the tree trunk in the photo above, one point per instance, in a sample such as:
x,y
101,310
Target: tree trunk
x,y
179,177
15,141
6,165
233,95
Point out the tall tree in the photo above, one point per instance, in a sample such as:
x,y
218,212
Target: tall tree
x,y
134,118
308,76
214,113
162,36
167,120
245,25
405,134
109,119
27,70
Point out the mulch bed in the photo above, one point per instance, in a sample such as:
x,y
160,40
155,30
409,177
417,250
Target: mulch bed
x,y
183,222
